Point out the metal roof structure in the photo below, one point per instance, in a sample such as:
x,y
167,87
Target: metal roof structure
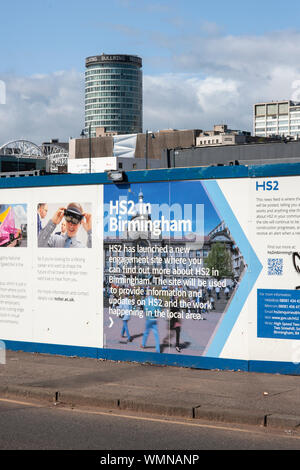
x,y
21,149
56,154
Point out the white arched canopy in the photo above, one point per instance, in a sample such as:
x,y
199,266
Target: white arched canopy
x,y
21,148
56,154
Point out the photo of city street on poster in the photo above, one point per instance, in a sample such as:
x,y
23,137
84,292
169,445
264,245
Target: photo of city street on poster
x,y
171,267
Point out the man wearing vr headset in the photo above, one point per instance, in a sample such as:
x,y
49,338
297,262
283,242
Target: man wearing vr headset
x,y
74,217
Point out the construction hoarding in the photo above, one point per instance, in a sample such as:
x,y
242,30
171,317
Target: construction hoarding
x,y
185,271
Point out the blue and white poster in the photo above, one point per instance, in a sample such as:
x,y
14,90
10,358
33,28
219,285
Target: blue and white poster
x,y
266,217
171,268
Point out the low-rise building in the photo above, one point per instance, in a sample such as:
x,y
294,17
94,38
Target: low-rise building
x,y
110,151
222,135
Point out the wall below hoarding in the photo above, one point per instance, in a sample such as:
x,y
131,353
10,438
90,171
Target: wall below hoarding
x,y
243,337
207,363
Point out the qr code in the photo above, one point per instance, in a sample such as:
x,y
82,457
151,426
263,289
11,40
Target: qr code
x,y
275,266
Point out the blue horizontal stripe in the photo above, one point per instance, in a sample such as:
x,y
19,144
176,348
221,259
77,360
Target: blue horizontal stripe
x,y
197,362
171,174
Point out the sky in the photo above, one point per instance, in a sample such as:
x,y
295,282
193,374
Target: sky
x,y
203,64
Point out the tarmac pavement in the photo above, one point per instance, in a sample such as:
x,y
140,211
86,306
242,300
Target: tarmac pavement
x,y
260,399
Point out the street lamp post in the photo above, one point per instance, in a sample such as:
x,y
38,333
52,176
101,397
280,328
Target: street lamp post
x,y
146,146
146,150
83,133
90,150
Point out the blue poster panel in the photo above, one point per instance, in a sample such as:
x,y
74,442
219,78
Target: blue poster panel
x,y
169,275
278,313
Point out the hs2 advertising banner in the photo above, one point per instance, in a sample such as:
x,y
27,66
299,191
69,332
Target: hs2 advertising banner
x,y
189,268
203,268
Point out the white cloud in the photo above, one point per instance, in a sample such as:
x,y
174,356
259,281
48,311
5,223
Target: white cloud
x,y
180,101
42,107
233,55
225,75
216,79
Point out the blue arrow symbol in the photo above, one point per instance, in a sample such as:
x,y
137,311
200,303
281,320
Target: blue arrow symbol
x,y
252,272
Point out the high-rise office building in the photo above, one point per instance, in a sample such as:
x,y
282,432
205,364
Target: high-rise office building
x,y
113,94
277,118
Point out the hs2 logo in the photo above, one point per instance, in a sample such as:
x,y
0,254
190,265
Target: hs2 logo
x,y
267,186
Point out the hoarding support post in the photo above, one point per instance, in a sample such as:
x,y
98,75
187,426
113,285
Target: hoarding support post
x,y
90,150
146,150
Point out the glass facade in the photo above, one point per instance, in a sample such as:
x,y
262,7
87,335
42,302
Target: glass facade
x,y
114,94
